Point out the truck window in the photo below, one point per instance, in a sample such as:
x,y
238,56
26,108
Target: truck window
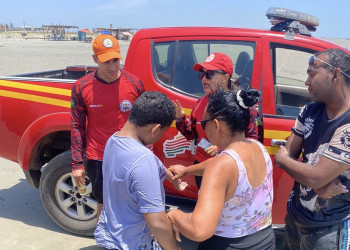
x,y
173,62
289,67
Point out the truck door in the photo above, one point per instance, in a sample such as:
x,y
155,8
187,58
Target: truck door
x,y
172,63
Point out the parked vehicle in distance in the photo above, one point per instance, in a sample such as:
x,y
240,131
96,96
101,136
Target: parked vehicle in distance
x,y
35,108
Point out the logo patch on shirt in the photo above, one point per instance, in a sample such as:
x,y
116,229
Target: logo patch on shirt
x,y
95,105
345,139
125,106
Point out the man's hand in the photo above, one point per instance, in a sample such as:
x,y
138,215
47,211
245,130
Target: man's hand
x,y
333,188
279,156
212,150
179,110
178,171
179,185
79,176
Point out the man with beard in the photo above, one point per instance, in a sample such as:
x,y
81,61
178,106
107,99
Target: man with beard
x,y
318,209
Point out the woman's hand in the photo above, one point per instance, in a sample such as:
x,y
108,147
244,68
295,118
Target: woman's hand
x,y
178,171
180,113
175,230
212,150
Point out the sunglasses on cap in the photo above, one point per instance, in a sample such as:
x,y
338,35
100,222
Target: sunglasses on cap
x,y
313,58
209,74
204,122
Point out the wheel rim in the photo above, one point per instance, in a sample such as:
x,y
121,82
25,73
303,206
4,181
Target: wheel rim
x,y
75,205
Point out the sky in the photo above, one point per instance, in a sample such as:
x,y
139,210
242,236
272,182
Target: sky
x,y
333,15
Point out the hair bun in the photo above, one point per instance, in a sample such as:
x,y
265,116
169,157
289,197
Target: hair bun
x,y
240,100
247,98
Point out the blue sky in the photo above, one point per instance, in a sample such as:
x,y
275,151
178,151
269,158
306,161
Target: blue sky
x,y
334,16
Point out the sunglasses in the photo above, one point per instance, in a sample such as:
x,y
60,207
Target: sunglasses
x,y
209,74
313,58
204,122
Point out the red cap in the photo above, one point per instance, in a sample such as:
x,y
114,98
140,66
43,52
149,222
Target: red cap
x,y
106,47
216,61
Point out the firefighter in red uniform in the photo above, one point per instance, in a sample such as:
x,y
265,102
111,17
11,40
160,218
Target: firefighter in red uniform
x,y
101,103
215,74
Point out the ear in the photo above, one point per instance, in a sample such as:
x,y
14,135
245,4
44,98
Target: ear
x,y
217,125
95,58
155,129
337,73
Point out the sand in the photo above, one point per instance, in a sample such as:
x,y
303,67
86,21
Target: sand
x,y
18,55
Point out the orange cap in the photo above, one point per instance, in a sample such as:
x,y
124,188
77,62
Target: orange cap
x,y
106,47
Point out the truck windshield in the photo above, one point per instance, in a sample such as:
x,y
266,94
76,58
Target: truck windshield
x,y
173,62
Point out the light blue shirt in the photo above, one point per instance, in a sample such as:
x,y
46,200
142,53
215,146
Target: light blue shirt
x,y
132,185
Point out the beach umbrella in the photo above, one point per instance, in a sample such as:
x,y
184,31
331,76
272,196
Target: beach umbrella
x,y
86,31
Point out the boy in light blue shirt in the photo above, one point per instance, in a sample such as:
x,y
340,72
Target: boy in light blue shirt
x,y
133,192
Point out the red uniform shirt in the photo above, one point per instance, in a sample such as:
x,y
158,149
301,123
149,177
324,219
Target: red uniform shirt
x,y
191,128
98,110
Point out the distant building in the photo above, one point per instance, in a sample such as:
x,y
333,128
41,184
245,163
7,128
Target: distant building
x,y
2,28
120,33
125,35
28,28
58,31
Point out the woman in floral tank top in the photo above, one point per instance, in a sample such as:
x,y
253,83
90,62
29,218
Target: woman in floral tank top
x,y
234,205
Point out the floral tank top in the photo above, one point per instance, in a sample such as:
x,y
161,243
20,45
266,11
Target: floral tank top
x,y
249,210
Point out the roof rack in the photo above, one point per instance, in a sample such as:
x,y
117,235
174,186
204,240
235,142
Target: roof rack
x,y
291,22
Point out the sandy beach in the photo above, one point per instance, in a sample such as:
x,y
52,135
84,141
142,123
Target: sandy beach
x,y
18,55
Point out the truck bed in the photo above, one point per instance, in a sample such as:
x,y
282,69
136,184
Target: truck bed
x,y
69,73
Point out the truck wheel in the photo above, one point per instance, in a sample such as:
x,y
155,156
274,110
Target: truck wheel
x,y
68,208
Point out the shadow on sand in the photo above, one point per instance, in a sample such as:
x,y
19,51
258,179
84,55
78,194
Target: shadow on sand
x,y
22,202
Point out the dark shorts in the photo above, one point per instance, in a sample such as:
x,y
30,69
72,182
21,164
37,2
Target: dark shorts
x,y
94,172
330,237
261,240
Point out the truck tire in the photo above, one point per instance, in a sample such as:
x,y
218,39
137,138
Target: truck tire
x,y
61,199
